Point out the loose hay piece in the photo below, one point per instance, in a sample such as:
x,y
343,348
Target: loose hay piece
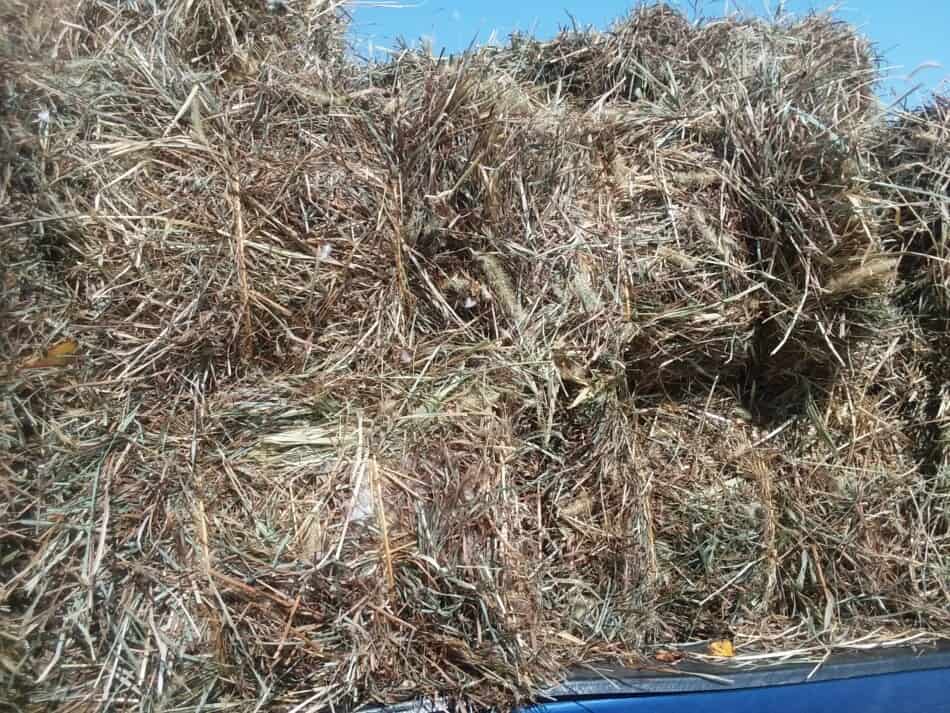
x,y
436,377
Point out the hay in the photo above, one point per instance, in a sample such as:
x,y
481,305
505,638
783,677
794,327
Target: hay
x,y
437,377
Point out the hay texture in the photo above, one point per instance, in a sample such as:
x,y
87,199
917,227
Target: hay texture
x,y
328,383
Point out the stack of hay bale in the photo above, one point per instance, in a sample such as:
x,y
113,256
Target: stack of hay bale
x,y
331,383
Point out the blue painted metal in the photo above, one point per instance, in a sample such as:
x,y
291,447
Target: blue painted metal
x,y
911,679
926,691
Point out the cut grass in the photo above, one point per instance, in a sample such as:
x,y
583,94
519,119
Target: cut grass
x,y
439,376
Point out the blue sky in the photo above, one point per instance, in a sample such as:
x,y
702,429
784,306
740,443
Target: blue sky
x,y
909,33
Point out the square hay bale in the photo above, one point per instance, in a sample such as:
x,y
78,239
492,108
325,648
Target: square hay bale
x,y
330,383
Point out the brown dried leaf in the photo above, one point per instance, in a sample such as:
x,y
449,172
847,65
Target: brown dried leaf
x,y
60,354
665,656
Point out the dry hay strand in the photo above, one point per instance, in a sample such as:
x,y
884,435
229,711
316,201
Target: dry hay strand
x,y
332,383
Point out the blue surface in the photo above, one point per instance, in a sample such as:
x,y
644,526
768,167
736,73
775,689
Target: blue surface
x,y
923,691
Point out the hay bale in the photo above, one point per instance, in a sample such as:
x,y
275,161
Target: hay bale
x,y
333,383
